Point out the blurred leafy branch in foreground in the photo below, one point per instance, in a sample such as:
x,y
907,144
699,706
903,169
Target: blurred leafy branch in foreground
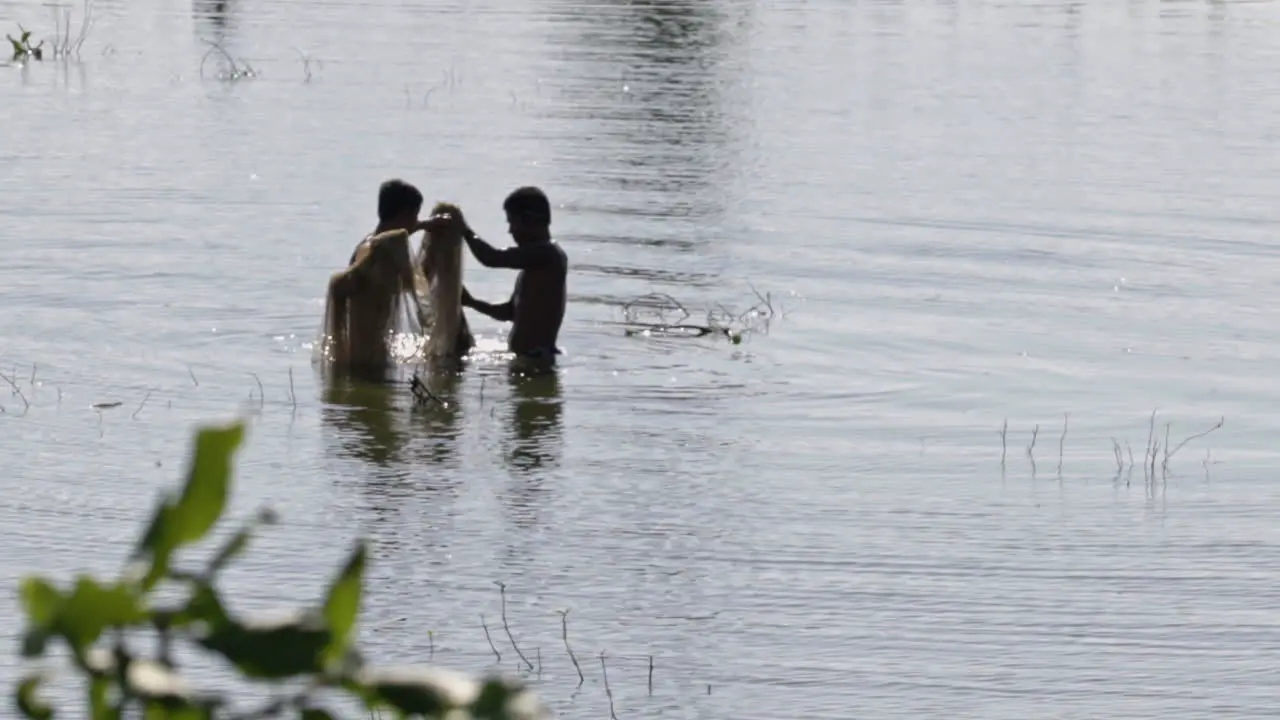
x,y
96,619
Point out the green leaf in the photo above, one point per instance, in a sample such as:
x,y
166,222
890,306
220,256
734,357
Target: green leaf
x,y
156,544
18,49
342,606
500,699
493,700
414,691
272,650
34,642
240,541
99,703
92,608
28,703
41,601
204,606
190,517
208,479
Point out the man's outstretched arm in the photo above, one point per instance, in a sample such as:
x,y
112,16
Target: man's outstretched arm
x,y
516,258
504,312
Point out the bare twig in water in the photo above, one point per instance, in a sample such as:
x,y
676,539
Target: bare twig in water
x,y
63,45
650,674
306,63
192,373
293,397
488,637
766,300
1004,441
604,670
1168,454
658,302
1031,447
146,397
1151,439
17,391
422,394
1062,441
431,645
502,590
262,395
32,381
564,632
238,71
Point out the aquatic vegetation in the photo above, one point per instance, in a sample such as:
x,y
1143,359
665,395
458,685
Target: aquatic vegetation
x,y
64,44
234,70
102,621
1155,459
659,314
22,47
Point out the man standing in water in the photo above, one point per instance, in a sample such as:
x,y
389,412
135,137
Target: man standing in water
x,y
398,206
536,307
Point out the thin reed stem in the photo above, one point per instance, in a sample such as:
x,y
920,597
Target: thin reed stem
x,y
146,397
262,395
488,637
1004,441
604,670
1062,441
564,633
1170,453
502,590
17,391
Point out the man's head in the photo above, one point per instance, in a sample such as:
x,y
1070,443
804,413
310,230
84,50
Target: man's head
x,y
398,204
528,215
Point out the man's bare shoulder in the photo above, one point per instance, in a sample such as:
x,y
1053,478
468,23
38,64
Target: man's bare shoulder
x,y
373,239
557,257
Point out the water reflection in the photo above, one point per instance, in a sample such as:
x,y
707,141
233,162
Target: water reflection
x,y
658,101
534,438
533,443
437,422
363,416
214,15
410,449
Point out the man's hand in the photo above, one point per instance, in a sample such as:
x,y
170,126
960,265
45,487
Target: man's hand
x,y
435,223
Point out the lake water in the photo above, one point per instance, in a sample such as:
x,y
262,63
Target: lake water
x,y
964,213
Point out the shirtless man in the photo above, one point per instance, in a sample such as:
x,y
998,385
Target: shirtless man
x,y
536,307
362,298
398,206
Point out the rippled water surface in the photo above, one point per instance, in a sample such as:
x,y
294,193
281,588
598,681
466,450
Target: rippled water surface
x,y
964,214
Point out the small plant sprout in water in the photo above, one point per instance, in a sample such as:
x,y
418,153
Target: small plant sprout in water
x,y
23,49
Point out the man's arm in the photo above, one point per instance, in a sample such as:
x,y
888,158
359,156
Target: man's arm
x,y
505,312
528,257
